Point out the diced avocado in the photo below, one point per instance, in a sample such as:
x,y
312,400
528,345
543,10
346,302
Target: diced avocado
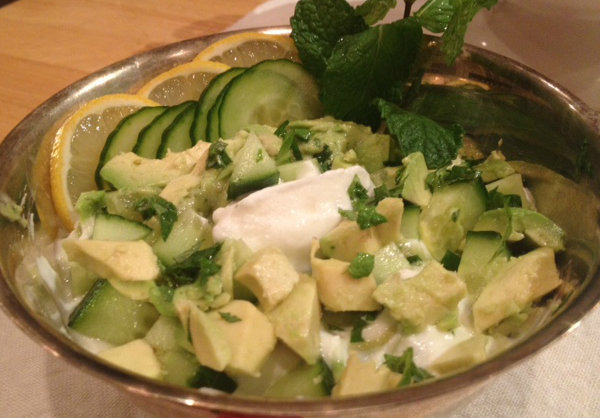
x,y
413,179
494,167
163,335
123,260
299,169
136,356
131,170
391,231
190,232
346,240
515,287
253,169
410,222
423,299
81,279
117,228
233,254
297,320
268,139
269,275
512,185
339,291
304,382
372,150
106,314
250,335
364,377
535,226
388,260
136,290
179,189
211,344
485,253
90,203
461,356
451,212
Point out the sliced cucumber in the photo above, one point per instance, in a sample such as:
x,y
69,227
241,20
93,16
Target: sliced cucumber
x,y
117,228
212,119
150,137
299,169
452,211
410,222
124,136
268,93
177,135
208,99
106,314
253,169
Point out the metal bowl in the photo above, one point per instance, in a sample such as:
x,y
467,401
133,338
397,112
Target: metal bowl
x,y
536,121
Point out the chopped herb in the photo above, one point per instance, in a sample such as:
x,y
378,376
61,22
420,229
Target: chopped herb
x,y
325,158
363,210
362,265
163,209
327,379
280,131
206,377
229,317
455,174
289,150
407,367
414,259
259,155
217,155
450,261
360,324
497,200
199,265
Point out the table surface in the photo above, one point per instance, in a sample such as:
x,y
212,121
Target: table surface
x,y
47,45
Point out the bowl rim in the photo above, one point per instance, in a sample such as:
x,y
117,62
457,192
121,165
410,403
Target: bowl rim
x,y
60,346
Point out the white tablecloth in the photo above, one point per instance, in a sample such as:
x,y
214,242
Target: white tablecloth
x,y
561,381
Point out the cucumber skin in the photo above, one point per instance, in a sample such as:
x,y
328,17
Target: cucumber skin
x,y
117,228
237,189
171,136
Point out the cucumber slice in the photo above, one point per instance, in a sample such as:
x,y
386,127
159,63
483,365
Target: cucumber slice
x,y
212,119
452,211
124,136
106,314
269,93
207,100
117,228
177,135
299,169
410,222
253,169
150,137
484,254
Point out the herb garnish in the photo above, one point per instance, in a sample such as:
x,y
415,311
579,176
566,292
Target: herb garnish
x,y
359,325
362,265
363,209
217,155
163,209
206,377
407,367
199,265
228,317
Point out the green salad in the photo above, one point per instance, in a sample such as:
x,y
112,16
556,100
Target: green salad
x,y
299,232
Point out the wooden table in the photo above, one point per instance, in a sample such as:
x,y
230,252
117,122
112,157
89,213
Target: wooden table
x,y
47,45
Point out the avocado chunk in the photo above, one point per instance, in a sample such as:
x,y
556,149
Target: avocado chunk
x,y
269,275
137,356
461,356
494,167
179,189
391,231
413,179
346,240
515,287
541,230
297,320
424,299
451,212
129,170
485,253
123,260
341,292
364,377
211,344
250,335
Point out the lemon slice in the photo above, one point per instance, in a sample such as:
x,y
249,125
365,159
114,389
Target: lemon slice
x,y
76,148
249,48
182,83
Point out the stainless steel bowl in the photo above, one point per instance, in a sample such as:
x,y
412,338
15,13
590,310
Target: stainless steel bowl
x,y
536,120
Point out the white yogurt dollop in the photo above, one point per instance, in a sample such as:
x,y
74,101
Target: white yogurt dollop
x,y
290,215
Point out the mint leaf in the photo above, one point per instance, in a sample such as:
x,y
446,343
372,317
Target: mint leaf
x,y
373,11
368,65
316,27
416,133
362,265
450,261
455,174
217,155
360,324
498,200
435,15
407,367
363,208
206,377
327,379
163,209
200,264
454,36
228,317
